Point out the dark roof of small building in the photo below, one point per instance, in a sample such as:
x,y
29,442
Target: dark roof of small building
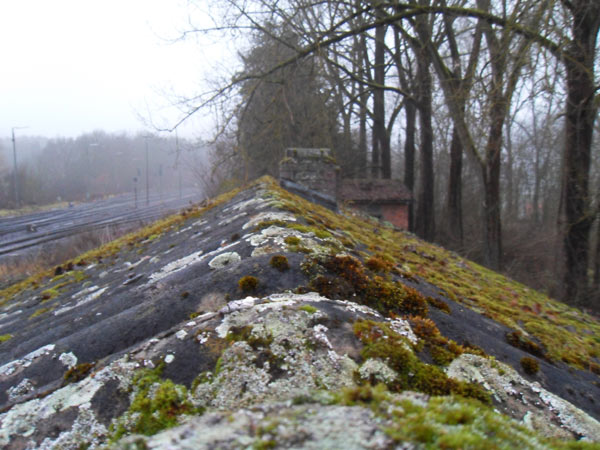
x,y
372,190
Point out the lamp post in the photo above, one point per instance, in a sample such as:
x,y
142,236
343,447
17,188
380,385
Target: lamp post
x,y
15,180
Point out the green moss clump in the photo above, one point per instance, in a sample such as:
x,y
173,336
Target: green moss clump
x,y
309,309
40,311
5,337
530,365
248,283
346,278
379,264
292,240
442,350
413,303
279,262
49,294
255,341
383,343
516,339
385,296
78,372
268,223
156,406
439,304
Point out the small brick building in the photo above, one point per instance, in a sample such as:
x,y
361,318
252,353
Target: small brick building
x,y
388,200
314,174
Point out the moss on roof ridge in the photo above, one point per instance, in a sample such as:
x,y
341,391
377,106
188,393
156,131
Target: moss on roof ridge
x,y
567,333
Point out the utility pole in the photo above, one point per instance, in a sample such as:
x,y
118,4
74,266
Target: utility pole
x,y
147,172
177,162
89,171
15,179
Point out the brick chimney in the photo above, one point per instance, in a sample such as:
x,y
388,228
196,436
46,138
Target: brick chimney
x,y
313,168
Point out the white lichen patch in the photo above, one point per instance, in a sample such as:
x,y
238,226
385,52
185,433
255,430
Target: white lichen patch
x,y
378,371
68,359
86,430
232,219
273,238
320,335
169,358
89,295
22,419
182,263
175,266
224,260
15,393
11,367
203,337
181,334
544,411
255,202
402,327
266,250
268,216
288,354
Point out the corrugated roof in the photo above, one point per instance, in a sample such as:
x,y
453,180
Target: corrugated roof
x,y
366,190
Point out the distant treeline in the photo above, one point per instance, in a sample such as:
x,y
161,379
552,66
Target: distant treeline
x,y
94,165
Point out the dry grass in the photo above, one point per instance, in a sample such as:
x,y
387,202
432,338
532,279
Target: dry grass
x,y
13,270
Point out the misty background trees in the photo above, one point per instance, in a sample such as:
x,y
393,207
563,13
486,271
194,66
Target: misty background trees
x,y
98,164
486,110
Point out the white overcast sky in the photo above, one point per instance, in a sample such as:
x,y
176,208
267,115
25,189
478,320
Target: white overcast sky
x,y
74,66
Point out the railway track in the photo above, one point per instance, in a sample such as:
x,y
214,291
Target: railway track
x,y
21,234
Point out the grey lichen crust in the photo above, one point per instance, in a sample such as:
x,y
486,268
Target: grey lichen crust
x,y
537,408
282,425
285,359
287,353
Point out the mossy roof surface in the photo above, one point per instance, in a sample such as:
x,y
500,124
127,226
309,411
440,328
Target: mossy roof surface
x,y
567,333
146,286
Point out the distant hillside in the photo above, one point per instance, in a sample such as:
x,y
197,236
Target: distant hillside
x,y
262,320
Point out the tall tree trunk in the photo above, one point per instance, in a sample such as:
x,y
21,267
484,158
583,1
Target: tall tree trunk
x,y
362,134
410,111
380,154
363,97
409,155
597,261
491,181
454,201
580,117
425,221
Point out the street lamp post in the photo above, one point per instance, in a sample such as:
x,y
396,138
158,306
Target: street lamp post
x,y
15,179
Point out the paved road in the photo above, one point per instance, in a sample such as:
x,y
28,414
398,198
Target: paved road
x,y
22,234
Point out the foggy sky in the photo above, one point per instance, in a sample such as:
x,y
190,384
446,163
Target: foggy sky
x,y
74,66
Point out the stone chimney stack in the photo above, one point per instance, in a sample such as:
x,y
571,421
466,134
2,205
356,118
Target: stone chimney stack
x,y
313,168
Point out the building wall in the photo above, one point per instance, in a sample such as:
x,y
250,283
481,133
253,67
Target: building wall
x,y
396,214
